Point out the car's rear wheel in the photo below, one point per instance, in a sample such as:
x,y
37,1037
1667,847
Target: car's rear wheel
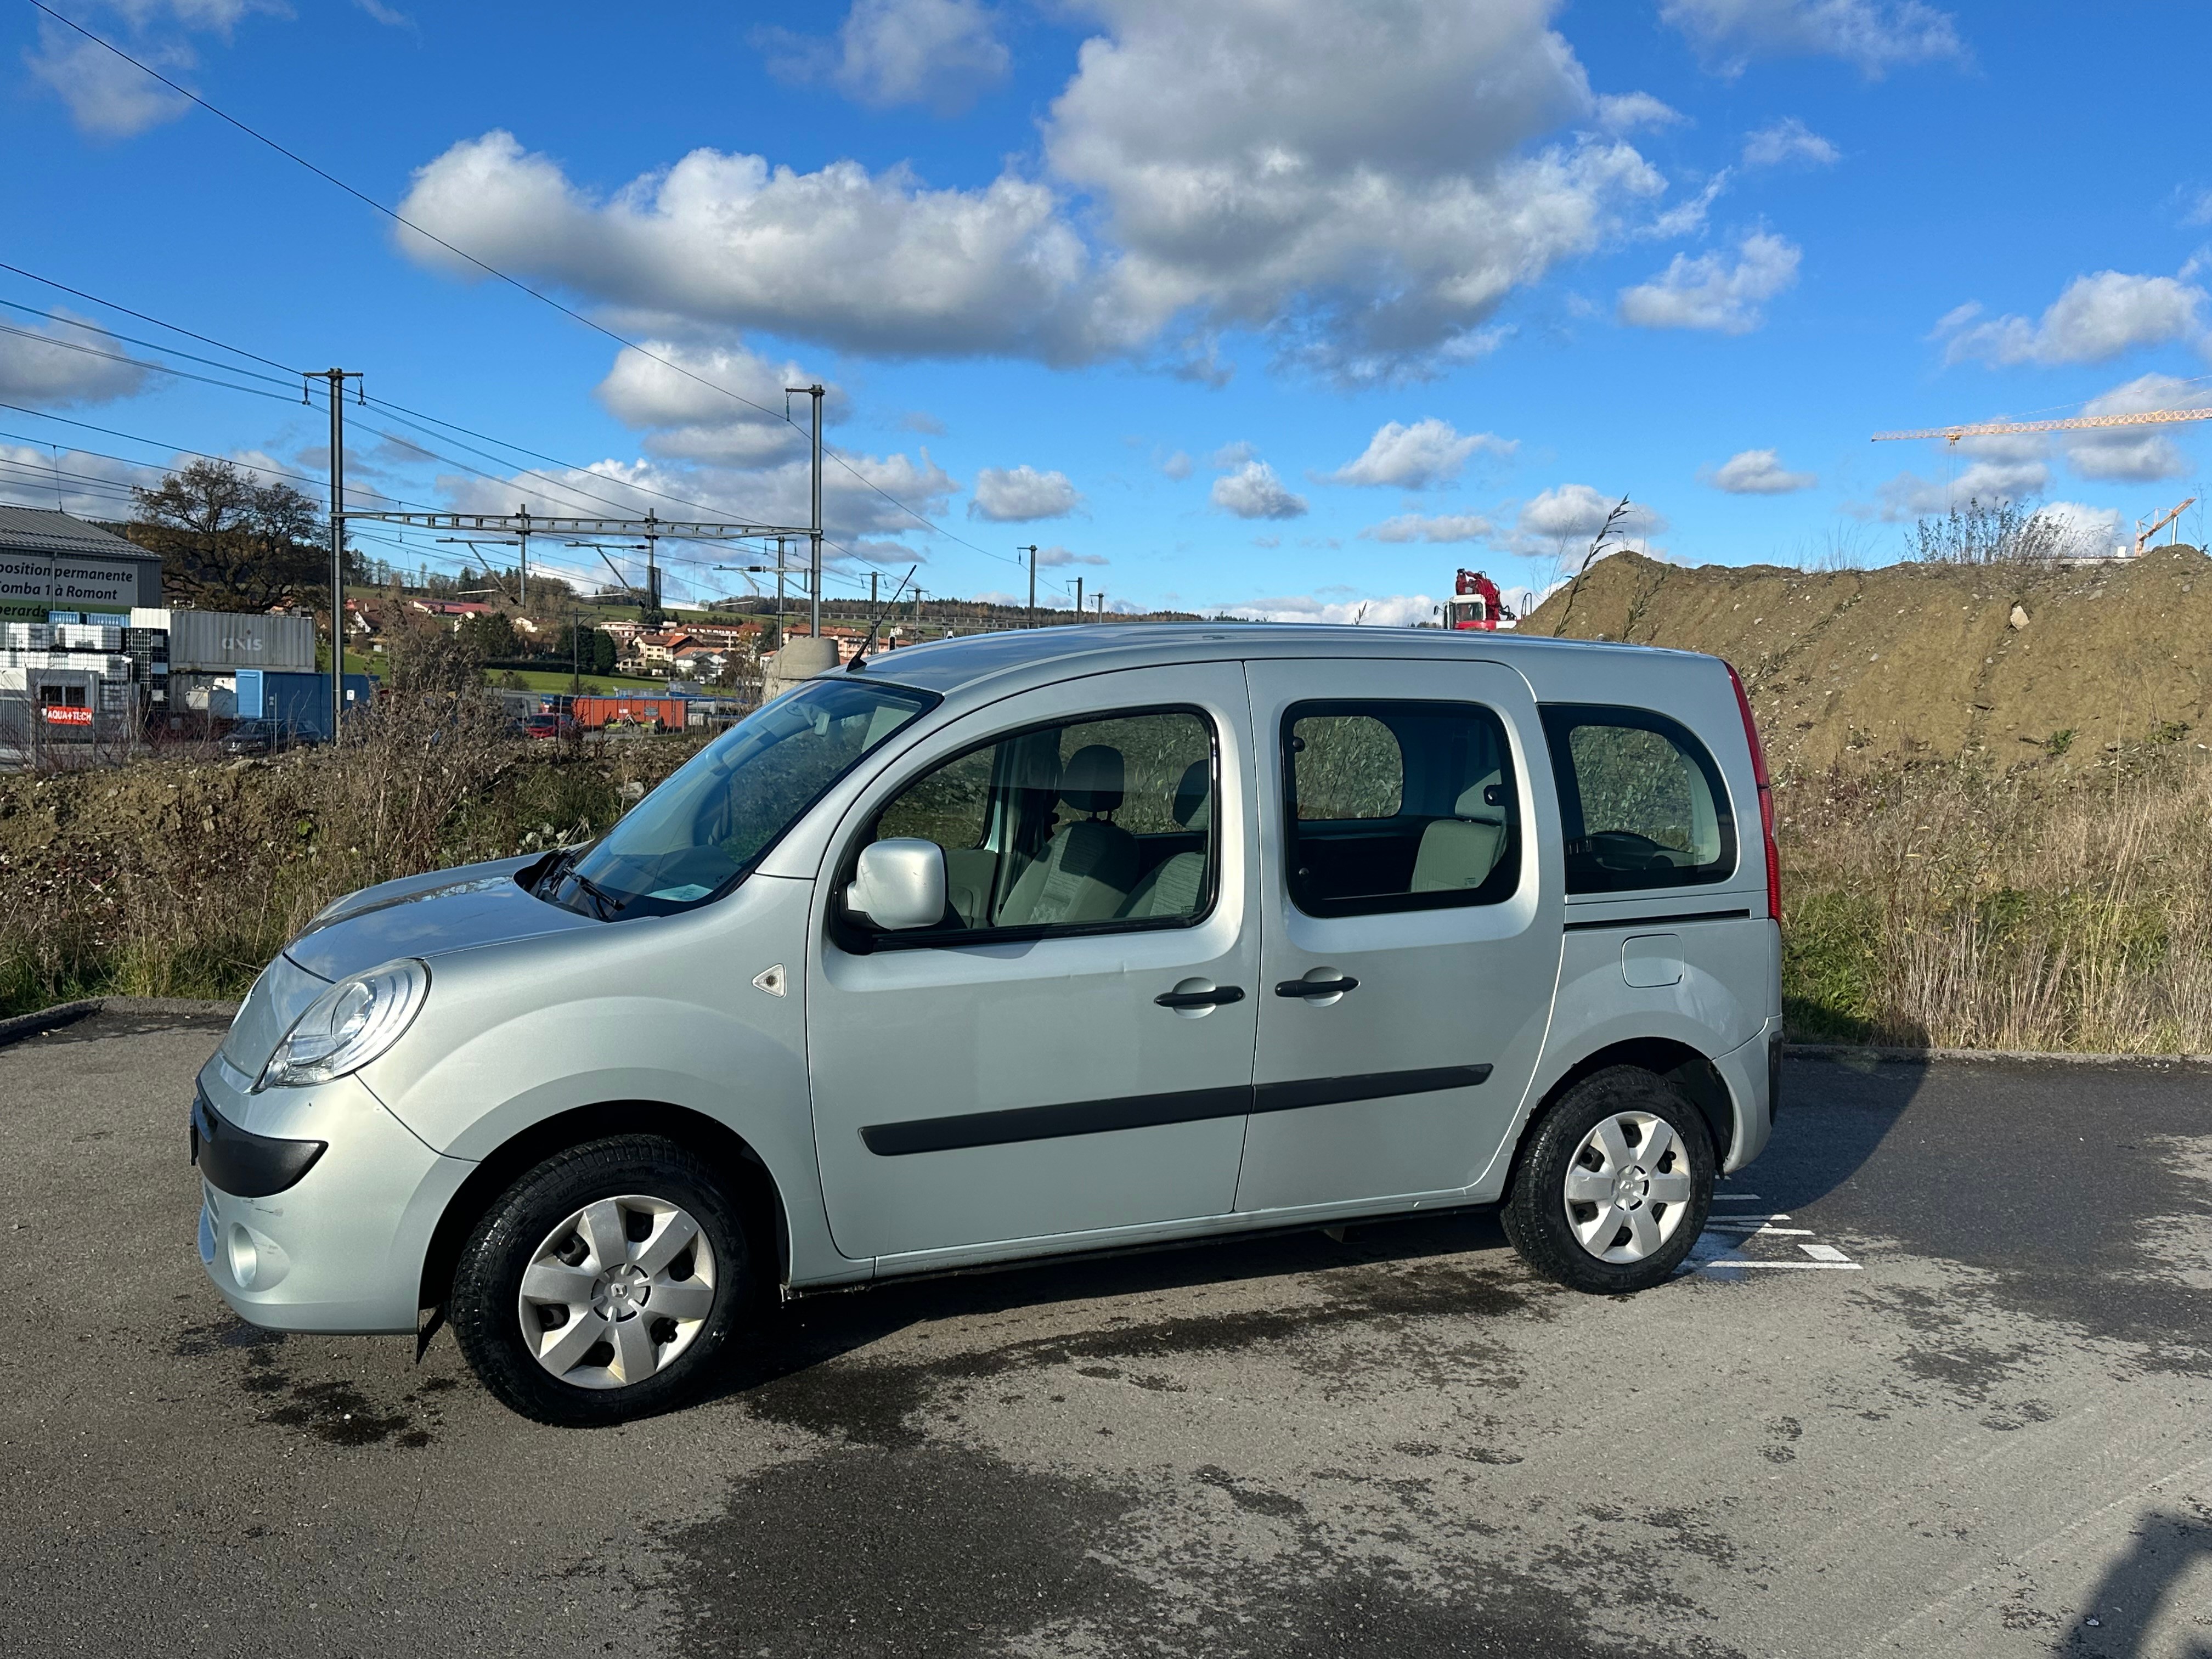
x,y
1614,1184
604,1284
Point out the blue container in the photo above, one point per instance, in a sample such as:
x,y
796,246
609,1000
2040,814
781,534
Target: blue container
x,y
302,702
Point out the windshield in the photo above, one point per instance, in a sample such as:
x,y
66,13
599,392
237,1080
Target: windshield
x,y
709,823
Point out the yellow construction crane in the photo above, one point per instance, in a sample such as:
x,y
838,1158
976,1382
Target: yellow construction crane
x,y
1981,428
2142,536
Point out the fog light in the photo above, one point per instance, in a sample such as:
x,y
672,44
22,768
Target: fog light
x,y
245,1259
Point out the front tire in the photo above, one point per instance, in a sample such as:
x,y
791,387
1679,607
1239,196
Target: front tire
x,y
604,1284
1614,1184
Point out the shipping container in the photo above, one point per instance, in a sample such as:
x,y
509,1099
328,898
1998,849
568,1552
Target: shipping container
x,y
220,642
659,713
299,700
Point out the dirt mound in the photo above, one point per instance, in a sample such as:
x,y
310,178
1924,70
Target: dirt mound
x,y
2016,661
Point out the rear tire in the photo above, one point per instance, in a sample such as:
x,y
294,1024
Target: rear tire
x,y
604,1283
1614,1185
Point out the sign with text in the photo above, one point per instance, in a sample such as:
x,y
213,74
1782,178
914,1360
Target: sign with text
x,y
32,584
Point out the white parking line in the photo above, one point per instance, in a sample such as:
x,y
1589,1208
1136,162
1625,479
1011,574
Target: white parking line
x,y
1747,1229
1737,1198
1724,1263
1827,1253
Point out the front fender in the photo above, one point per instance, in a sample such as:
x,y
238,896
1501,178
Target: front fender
x,y
660,1010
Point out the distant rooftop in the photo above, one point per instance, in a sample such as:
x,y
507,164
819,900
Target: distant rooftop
x,y
34,530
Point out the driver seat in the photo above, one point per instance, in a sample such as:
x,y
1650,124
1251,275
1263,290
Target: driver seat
x,y
1088,867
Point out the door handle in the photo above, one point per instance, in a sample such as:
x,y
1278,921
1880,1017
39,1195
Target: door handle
x,y
1213,998
1317,988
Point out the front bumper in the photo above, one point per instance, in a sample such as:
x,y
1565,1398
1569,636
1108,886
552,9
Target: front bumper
x,y
341,1247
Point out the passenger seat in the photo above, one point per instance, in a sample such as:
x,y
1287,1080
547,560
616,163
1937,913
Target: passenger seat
x,y
1171,887
1460,851
1087,868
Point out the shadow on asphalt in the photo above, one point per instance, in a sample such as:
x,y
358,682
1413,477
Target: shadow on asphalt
x,y
2128,1600
1407,1268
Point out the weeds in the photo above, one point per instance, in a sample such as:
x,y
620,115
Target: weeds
x,y
1950,905
170,878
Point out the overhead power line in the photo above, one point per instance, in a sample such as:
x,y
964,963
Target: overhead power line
x,y
516,282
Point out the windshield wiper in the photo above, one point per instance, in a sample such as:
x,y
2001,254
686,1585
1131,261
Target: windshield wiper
x,y
610,906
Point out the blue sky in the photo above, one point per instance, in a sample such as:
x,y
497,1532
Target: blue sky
x,y
1276,306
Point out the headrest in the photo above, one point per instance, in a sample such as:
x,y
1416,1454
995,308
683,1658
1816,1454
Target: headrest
x,y
1091,779
1471,803
1193,796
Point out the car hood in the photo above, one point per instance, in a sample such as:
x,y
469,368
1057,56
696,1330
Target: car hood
x,y
425,916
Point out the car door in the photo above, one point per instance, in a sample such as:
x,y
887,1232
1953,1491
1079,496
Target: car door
x,y
1014,1076
1410,926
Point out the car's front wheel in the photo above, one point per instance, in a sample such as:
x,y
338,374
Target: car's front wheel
x,y
1614,1184
603,1285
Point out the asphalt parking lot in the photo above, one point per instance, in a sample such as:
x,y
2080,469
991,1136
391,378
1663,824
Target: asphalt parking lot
x,y
1958,1400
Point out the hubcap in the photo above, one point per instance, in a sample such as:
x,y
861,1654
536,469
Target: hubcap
x,y
617,1291
1628,1187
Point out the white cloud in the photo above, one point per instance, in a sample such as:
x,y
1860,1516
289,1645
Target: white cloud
x,y
1365,181
2001,467
1014,495
91,486
1707,292
2084,529
1428,453
1442,527
1056,556
1874,35
33,371
1178,466
111,98
2133,454
1563,521
1378,610
1787,140
2097,317
1625,112
1253,491
943,53
1572,509
389,16
1757,472
691,421
867,263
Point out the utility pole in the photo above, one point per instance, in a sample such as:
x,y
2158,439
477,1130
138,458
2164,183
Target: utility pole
x,y
1079,599
522,580
1100,598
338,378
1030,622
652,571
816,392
779,592
871,592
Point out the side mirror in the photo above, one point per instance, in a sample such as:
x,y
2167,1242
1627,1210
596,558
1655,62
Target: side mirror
x,y
900,885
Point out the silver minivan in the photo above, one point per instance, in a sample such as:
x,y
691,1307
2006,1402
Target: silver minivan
x,y
1016,946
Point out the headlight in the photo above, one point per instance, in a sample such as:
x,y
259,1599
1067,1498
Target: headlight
x,y
348,1025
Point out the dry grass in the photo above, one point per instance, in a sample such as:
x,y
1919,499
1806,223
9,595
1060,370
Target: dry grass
x,y
2054,909
2064,906
177,878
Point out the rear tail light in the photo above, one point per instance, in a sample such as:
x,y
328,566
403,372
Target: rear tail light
x,y
1765,797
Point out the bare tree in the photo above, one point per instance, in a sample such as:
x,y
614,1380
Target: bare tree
x,y
228,542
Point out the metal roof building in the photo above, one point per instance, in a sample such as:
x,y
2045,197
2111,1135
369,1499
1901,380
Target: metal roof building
x,y
53,561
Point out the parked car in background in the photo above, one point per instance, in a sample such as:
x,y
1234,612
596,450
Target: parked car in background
x,y
1171,931
549,726
267,737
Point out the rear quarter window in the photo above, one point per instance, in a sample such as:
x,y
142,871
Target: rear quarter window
x,y
1641,803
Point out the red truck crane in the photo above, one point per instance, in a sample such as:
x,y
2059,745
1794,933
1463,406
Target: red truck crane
x,y
1476,603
